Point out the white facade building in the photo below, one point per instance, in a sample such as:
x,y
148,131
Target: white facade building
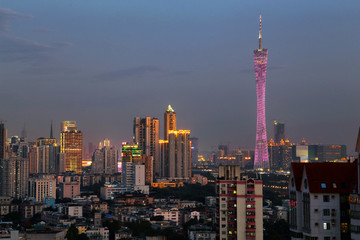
x,y
319,194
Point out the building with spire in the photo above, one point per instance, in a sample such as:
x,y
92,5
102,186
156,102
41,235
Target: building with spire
x,y
169,121
261,149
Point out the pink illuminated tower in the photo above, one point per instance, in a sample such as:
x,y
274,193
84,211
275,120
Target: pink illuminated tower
x,y
261,148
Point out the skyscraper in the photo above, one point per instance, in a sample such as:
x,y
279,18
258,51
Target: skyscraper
x,y
14,175
279,131
179,155
2,140
71,146
260,61
239,212
169,122
194,149
147,135
105,159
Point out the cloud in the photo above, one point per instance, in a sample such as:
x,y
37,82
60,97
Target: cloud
x,y
139,71
62,44
6,14
21,49
131,72
43,30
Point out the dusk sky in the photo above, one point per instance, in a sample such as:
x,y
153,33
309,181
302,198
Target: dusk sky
x,y
102,63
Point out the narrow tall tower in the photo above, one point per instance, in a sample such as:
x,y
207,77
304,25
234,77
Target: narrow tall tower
x,y
261,150
169,121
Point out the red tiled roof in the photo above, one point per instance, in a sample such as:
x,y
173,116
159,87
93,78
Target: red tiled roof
x,y
327,177
297,169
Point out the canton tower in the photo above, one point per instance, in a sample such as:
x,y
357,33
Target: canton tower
x,y
261,148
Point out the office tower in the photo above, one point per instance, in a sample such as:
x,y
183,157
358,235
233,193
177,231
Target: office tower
x,y
48,154
179,155
131,152
164,145
3,137
14,175
148,162
239,207
280,154
104,160
42,186
147,135
71,146
169,121
279,131
194,149
260,61
319,199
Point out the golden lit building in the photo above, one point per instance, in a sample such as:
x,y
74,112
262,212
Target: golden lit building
x,y
169,121
71,146
176,155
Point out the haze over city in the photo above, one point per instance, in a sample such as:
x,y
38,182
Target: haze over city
x,y
102,63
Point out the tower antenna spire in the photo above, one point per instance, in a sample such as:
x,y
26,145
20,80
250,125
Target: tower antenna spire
x,y
260,36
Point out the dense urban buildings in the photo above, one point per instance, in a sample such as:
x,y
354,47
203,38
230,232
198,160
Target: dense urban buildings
x,y
71,146
260,61
239,205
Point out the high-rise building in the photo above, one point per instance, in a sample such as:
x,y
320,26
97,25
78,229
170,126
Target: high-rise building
x,y
194,149
14,175
71,146
239,206
42,186
169,121
280,155
261,150
105,159
179,155
279,131
147,135
3,137
131,152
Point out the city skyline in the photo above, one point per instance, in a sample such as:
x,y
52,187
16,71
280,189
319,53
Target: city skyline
x,y
312,90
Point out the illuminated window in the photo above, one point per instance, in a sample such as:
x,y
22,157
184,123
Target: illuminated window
x,y
326,226
334,185
323,185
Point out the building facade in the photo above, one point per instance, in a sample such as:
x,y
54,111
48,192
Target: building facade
x,y
239,205
319,199
147,135
169,121
71,146
105,159
14,175
42,186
